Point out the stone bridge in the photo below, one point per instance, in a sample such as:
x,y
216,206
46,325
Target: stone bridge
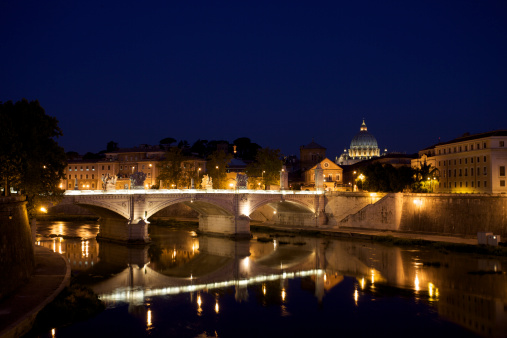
x,y
124,213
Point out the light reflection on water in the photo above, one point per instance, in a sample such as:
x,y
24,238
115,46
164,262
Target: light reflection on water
x,y
206,282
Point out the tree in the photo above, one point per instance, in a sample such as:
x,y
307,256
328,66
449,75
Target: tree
x,y
171,169
199,147
217,168
245,149
267,165
386,178
166,142
30,158
424,176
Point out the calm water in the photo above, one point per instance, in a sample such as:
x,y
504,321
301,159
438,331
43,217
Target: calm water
x,y
186,285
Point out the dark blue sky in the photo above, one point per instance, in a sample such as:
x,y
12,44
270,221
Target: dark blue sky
x,y
279,72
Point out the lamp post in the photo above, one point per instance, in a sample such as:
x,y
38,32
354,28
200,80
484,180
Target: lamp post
x,y
361,177
199,177
263,179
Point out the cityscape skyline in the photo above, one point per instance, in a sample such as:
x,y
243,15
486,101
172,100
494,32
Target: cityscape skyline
x,y
279,74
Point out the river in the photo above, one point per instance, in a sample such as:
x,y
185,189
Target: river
x,y
277,285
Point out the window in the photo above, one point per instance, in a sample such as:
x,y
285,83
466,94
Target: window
x,y
444,184
70,185
81,168
439,163
502,170
108,167
337,177
485,171
502,144
502,183
478,146
149,175
454,149
460,161
471,160
81,176
471,171
484,145
93,167
484,158
460,172
466,171
485,184
466,148
471,147
466,160
472,185
93,176
455,184
440,185
478,159
102,167
444,151
93,185
86,176
454,172
460,149
466,184
454,162
478,184
450,173
439,152
75,176
87,168
461,184
121,167
70,168
444,173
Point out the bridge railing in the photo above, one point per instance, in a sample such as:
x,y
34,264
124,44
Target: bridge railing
x,y
188,191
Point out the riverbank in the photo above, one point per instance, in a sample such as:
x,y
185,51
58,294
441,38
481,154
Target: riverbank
x,y
389,237
50,277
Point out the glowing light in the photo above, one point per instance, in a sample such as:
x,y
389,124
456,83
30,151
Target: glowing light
x,y
42,209
264,289
325,277
246,262
283,294
148,319
216,307
416,283
418,202
53,332
274,244
231,185
199,301
430,289
362,283
356,296
373,276
274,212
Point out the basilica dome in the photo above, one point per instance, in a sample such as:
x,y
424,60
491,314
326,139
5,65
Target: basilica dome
x,y
363,139
364,145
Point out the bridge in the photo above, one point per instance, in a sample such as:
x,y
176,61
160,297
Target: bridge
x,y
124,213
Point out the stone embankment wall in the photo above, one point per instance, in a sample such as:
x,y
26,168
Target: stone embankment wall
x,y
452,214
340,205
16,247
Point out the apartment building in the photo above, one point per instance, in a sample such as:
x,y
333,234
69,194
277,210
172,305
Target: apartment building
x,y
468,164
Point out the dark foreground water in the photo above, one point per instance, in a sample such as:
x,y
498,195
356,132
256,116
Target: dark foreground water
x,y
185,285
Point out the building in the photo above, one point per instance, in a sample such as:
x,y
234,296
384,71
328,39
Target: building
x,y
87,174
468,164
310,155
333,175
362,147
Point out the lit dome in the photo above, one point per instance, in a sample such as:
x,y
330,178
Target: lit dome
x,y
364,145
363,139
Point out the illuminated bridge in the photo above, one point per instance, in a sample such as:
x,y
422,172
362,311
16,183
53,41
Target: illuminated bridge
x,y
124,213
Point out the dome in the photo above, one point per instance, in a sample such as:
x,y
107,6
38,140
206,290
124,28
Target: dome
x,y
363,139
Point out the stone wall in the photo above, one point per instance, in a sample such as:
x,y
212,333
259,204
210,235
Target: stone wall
x,y
16,247
340,205
464,214
451,214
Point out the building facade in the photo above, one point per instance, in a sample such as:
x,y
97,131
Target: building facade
x,y
333,174
468,164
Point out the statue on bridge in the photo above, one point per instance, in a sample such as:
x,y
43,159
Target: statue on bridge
x,y
241,181
108,182
207,182
137,180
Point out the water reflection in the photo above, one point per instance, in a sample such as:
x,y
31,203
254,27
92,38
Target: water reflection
x,y
467,290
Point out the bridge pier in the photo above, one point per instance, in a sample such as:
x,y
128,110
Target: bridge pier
x,y
232,226
125,231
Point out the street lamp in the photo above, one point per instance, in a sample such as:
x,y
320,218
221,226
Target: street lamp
x,y
263,178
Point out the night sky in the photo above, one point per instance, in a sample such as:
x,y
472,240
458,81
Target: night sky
x,y
278,72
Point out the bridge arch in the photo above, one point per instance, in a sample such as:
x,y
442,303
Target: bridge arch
x,y
283,204
204,206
